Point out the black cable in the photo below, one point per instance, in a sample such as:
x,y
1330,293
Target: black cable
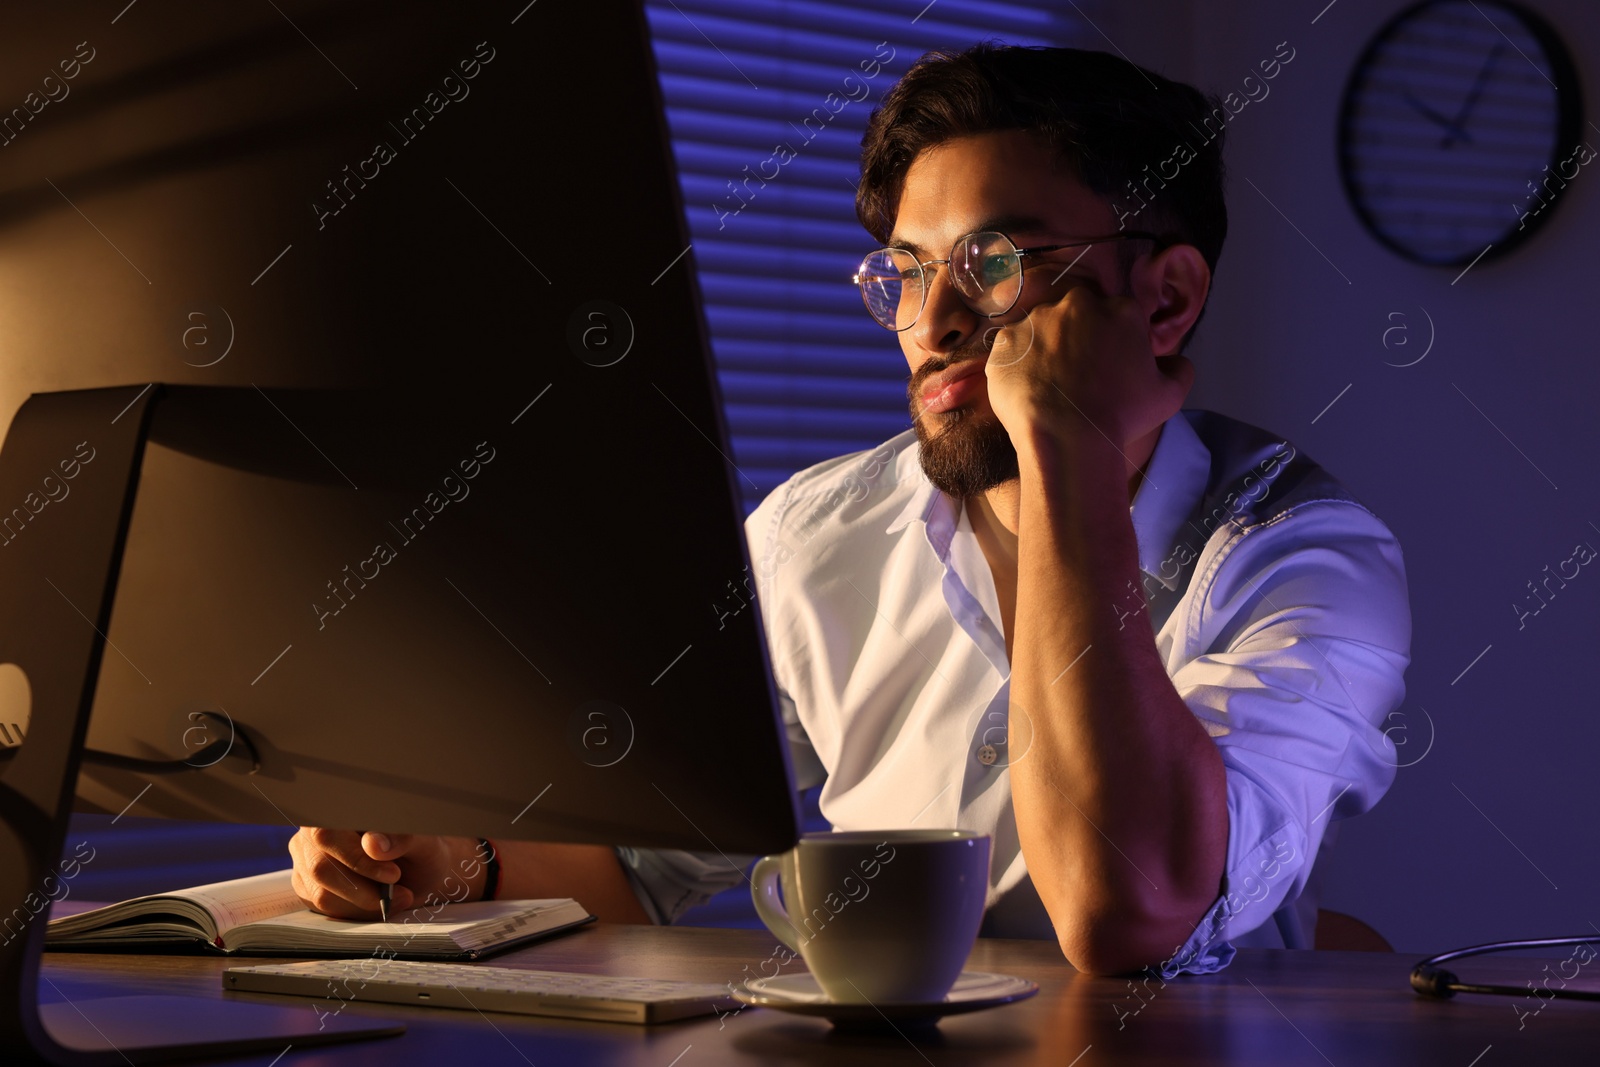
x,y
1431,980
237,744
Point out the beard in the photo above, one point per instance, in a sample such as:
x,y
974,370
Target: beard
x,y
964,451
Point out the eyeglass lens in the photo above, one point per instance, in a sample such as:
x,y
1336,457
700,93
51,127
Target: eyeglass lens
x,y
984,267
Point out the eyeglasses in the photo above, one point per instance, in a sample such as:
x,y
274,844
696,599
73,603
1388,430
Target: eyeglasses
x,y
986,269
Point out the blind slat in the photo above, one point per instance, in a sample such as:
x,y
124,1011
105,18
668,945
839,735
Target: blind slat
x,y
805,374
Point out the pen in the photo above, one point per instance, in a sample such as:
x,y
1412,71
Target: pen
x,y
385,898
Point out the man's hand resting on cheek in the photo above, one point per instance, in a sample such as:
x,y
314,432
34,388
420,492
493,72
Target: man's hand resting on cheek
x,y
1083,365
337,872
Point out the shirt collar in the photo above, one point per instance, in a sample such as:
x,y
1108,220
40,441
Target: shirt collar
x,y
1172,487
938,512
1173,484
923,500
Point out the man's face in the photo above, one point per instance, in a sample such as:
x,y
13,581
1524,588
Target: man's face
x,y
1003,181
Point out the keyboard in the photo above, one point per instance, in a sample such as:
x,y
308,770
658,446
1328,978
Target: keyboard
x,y
474,987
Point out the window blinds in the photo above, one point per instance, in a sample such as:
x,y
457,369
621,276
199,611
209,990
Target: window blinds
x,y
766,102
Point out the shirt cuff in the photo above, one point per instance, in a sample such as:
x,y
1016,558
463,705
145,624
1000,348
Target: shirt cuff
x,y
1247,901
1205,952
668,882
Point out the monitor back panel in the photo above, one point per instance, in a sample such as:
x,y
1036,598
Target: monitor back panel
x,y
438,509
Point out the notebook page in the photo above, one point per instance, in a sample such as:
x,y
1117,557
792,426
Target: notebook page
x,y
204,910
533,917
246,900
453,927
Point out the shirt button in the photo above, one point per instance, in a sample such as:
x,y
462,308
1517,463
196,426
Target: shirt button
x,y
987,755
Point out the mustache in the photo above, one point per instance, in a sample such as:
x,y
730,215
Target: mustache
x,y
978,349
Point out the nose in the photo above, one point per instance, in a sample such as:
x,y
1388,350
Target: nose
x,y
946,322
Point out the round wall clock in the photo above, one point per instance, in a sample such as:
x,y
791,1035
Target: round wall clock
x,y
1461,126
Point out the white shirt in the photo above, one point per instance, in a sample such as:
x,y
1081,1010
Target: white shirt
x,y
1278,605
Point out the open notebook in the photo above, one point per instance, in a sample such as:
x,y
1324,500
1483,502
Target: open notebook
x,y
261,916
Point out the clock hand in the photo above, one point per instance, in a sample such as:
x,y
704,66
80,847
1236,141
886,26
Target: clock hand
x,y
1477,89
1448,124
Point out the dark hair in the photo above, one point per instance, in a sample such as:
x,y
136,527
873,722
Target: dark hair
x,y
1115,124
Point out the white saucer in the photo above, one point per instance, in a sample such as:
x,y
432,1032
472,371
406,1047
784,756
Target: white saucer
x,y
800,993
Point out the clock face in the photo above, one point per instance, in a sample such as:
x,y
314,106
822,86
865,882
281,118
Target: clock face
x,y
1451,118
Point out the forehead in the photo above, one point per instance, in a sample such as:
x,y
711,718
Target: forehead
x,y
990,180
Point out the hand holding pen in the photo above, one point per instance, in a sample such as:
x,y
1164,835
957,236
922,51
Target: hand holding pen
x,y
354,875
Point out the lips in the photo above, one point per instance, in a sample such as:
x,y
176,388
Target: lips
x,y
953,386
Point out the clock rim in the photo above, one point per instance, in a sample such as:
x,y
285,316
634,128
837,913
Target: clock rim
x,y
1569,124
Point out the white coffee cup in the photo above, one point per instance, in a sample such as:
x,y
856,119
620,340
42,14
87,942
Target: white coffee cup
x,y
880,916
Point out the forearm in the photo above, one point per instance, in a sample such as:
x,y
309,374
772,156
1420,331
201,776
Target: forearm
x,y
590,874
1120,799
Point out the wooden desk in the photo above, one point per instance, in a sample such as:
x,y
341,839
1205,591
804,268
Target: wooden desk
x,y
1268,1007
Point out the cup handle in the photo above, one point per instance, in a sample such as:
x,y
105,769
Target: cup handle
x,y
764,880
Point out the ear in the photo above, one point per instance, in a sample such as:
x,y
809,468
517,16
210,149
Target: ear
x,y
1171,287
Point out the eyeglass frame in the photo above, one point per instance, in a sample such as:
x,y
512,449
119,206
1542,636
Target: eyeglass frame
x,y
922,265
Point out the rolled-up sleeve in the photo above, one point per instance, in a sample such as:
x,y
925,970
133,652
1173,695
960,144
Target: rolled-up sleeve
x,y
668,882
1294,657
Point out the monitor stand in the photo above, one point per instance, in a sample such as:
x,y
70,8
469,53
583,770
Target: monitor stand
x,y
58,576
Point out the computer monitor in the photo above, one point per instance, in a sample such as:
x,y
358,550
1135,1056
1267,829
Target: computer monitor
x,y
435,522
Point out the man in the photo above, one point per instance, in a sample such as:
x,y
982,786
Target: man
x,y
1148,651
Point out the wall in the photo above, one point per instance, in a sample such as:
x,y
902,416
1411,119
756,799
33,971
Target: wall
x,y
1488,833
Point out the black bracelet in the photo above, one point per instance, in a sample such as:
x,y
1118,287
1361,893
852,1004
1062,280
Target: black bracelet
x,y
491,880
